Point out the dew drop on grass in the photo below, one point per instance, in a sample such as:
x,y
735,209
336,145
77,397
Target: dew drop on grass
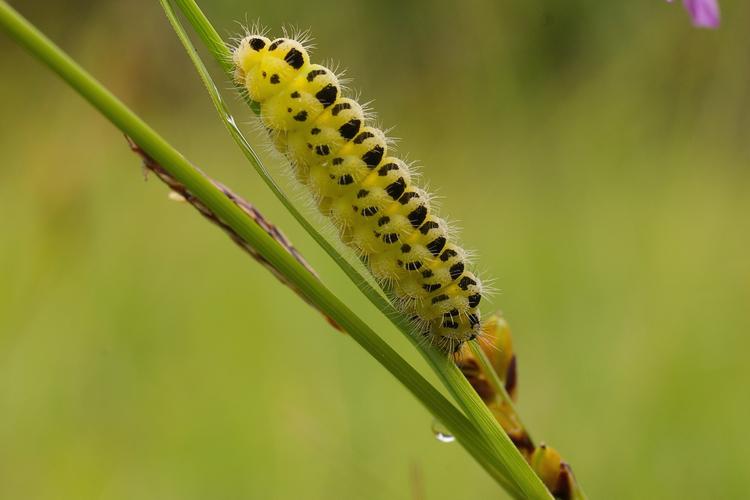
x,y
440,432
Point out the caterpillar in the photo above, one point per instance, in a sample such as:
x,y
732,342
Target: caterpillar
x,y
369,194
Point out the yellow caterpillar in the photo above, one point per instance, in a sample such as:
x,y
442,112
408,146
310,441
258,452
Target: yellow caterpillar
x,y
368,194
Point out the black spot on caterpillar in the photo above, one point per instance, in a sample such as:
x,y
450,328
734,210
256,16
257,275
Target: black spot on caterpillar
x,y
430,224
327,95
413,266
345,180
473,319
440,298
396,188
436,245
312,74
361,137
275,44
391,238
417,216
350,128
372,157
340,107
447,255
456,270
295,58
257,43
474,300
387,168
466,282
406,198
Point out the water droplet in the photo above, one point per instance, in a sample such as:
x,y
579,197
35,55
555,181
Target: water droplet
x,y
441,433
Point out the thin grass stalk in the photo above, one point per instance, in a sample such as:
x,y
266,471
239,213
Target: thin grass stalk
x,y
177,166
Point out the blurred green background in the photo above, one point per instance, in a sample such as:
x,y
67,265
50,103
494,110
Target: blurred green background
x,y
595,153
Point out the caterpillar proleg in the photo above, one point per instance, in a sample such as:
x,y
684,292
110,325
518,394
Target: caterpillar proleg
x,y
368,193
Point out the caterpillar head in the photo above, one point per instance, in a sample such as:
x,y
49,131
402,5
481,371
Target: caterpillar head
x,y
302,100
268,66
247,55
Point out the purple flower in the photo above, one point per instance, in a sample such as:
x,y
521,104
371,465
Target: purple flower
x,y
705,13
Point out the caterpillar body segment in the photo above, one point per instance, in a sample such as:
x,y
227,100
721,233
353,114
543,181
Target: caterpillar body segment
x,y
367,192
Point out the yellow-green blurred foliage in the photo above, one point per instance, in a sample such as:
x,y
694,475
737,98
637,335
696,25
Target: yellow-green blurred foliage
x,y
595,153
